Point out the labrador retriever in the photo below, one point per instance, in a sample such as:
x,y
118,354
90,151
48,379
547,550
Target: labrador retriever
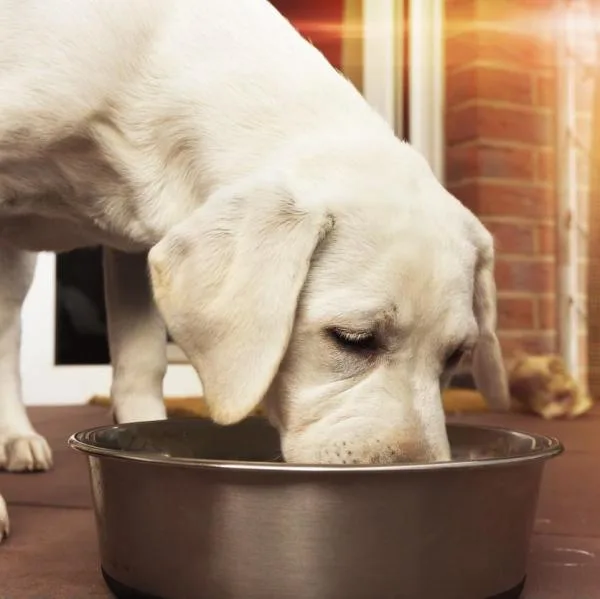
x,y
249,199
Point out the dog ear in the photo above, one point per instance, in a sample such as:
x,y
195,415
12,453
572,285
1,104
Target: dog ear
x,y
488,366
227,281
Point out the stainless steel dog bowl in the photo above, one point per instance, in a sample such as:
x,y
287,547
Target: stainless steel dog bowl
x,y
186,509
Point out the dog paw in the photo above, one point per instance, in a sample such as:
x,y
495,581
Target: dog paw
x,y
4,522
24,452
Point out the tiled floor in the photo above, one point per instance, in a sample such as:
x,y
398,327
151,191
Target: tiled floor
x,y
565,550
52,552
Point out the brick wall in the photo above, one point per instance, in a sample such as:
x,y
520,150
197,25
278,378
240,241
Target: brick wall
x,y
500,133
320,22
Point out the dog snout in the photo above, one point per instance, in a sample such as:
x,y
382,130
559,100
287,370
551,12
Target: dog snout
x,y
411,452
393,448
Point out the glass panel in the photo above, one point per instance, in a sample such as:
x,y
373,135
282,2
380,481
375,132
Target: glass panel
x,y
80,311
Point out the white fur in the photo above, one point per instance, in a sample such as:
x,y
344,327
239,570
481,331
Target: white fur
x,y
277,204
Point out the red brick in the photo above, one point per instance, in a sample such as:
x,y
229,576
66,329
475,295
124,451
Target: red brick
x,y
516,313
505,85
460,10
466,192
461,125
505,162
489,83
532,275
498,199
545,91
486,160
546,239
517,11
530,342
461,86
498,123
461,162
512,238
461,46
546,311
508,124
521,50
545,166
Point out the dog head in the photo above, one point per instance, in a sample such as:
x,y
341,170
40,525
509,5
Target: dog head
x,y
343,301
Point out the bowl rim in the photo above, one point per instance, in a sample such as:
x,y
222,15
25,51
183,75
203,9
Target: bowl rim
x,y
549,447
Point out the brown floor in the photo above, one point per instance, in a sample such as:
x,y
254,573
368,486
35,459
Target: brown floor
x,y
52,551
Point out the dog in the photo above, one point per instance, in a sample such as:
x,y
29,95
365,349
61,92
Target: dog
x,y
249,200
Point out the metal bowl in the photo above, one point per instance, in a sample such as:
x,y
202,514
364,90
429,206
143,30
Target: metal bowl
x,y
187,509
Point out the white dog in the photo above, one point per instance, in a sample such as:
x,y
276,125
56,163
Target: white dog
x,y
299,252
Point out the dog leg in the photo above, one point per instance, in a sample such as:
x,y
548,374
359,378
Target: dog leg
x,y
21,448
4,521
137,339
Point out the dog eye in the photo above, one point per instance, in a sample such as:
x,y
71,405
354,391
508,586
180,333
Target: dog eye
x,y
354,340
454,358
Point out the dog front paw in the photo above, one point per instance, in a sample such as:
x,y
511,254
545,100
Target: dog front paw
x,y
24,452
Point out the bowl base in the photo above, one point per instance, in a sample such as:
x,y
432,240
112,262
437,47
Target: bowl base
x,y
122,591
